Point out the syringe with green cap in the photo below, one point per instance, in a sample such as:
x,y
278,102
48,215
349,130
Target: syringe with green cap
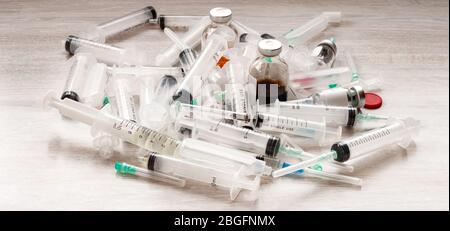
x,y
398,132
128,169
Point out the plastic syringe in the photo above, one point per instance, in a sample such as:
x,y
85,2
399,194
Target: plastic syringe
x,y
79,70
196,111
318,131
326,175
371,84
218,131
191,38
234,180
128,169
290,148
187,56
177,22
176,72
124,99
338,96
124,129
312,28
154,100
236,92
222,157
334,115
243,29
105,53
95,85
324,78
399,132
205,62
107,29
103,141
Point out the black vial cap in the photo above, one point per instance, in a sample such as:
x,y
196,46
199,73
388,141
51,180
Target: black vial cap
x,y
70,95
342,152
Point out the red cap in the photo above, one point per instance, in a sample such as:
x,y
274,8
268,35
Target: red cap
x,y
373,101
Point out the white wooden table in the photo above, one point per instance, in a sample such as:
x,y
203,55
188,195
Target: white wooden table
x,y
49,164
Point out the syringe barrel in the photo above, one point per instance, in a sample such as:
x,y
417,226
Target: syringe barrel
x,y
340,116
204,63
149,71
124,129
124,168
217,131
313,27
236,92
79,70
94,87
105,53
399,132
334,97
178,22
195,111
290,125
192,38
243,29
221,157
200,173
124,99
127,21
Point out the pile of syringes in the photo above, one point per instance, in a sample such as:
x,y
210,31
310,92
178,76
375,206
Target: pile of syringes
x,y
224,105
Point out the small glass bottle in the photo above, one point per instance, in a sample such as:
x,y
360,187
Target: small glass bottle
x,y
270,71
220,24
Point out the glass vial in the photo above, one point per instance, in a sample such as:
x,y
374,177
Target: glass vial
x,y
271,72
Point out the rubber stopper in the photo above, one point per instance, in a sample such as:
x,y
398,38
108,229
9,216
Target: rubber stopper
x,y
373,101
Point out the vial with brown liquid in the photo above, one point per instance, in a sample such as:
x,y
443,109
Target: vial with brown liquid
x,y
271,72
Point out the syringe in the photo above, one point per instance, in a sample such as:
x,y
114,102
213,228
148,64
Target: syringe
x,y
103,141
105,53
218,131
318,131
234,180
176,72
290,148
334,115
194,78
399,132
221,157
124,129
236,92
95,85
124,99
326,175
81,65
107,29
322,79
191,38
128,169
242,29
312,28
338,96
177,22
371,84
154,101
187,55
195,111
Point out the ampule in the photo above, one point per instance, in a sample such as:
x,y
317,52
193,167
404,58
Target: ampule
x,y
271,72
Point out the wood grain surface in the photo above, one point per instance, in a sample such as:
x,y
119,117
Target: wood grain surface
x,y
47,163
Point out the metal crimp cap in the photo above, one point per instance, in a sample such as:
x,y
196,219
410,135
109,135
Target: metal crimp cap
x,y
220,15
269,47
358,96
